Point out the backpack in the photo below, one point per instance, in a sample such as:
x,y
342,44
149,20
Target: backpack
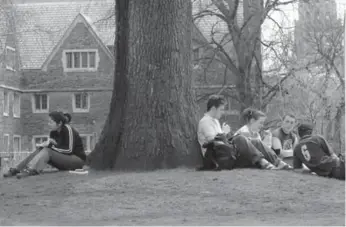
x,y
221,154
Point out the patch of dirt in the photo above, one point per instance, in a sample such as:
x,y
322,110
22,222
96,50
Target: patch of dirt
x,y
173,197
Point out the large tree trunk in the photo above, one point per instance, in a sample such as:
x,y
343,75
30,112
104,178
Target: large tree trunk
x,y
152,120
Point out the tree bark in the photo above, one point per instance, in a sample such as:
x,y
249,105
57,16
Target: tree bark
x,y
152,121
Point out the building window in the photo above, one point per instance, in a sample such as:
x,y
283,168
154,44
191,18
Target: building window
x,y
38,140
10,58
16,144
81,102
6,143
80,60
6,103
16,105
231,107
88,142
40,103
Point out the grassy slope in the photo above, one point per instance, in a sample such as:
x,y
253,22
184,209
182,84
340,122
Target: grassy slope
x,y
173,197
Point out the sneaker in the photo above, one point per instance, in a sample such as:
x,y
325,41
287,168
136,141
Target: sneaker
x,y
26,172
11,173
264,164
284,166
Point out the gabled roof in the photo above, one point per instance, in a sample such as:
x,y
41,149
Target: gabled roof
x,y
40,26
80,18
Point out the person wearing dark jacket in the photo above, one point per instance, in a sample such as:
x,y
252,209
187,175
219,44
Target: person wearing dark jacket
x,y
314,152
64,150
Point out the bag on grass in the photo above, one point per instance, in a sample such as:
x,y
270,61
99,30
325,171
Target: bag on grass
x,y
221,154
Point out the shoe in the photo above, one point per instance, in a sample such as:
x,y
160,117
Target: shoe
x,y
11,173
264,164
284,166
26,173
270,166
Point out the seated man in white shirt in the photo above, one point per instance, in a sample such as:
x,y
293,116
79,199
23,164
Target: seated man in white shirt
x,y
209,126
284,139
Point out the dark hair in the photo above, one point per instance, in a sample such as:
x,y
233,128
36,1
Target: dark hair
x,y
250,113
60,117
215,101
68,117
289,115
305,129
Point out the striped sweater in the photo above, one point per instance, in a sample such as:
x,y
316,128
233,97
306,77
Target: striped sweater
x,y
68,142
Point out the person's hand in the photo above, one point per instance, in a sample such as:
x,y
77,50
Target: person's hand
x,y
225,128
52,141
44,144
267,140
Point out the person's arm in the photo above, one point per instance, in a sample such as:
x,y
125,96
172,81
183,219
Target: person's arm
x,y
276,145
326,147
66,142
297,163
296,140
52,137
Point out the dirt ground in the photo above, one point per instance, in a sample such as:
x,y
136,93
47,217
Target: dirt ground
x,y
173,197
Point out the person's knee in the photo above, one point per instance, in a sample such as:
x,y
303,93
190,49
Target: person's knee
x,y
276,143
239,139
46,152
256,142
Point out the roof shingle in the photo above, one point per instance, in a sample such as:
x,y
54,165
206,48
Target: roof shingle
x,y
41,25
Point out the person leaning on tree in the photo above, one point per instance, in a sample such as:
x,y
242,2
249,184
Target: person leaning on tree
x,y
209,127
254,120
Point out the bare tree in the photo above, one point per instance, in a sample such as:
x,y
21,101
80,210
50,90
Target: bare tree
x,y
236,36
316,91
152,120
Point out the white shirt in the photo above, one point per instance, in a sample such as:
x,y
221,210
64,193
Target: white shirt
x,y
208,128
245,131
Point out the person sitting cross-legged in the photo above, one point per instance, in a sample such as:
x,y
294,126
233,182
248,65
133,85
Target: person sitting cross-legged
x,y
64,150
254,122
209,128
283,138
316,154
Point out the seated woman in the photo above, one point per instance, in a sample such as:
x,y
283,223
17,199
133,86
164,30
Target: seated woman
x,y
254,122
64,150
209,127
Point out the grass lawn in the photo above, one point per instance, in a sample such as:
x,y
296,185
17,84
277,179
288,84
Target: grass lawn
x,y
173,197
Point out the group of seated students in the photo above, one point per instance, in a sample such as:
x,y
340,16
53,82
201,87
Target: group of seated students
x,y
311,153
63,150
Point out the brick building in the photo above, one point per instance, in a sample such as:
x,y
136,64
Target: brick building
x,y
59,56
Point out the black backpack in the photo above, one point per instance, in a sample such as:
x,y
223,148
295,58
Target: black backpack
x,y
221,154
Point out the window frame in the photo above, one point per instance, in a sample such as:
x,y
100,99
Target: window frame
x,y
20,143
65,60
16,115
34,110
77,109
34,137
8,142
6,107
8,67
88,149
